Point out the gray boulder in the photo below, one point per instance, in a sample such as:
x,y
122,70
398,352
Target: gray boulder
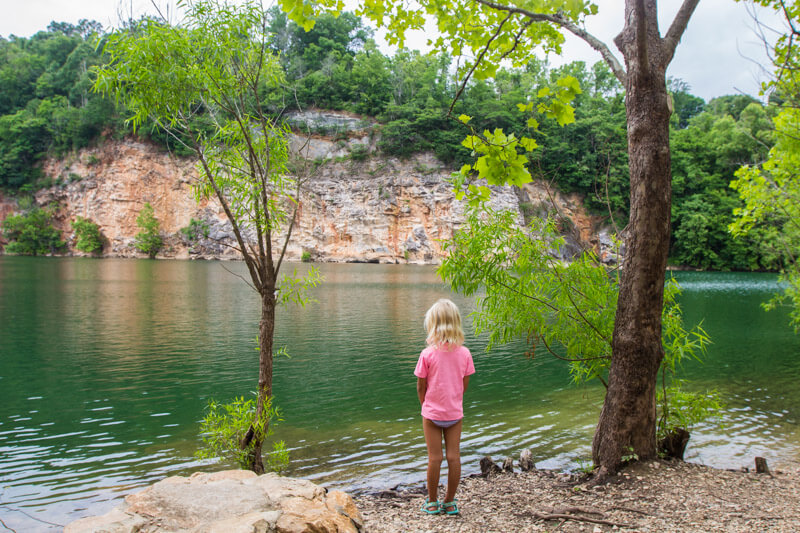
x,y
229,502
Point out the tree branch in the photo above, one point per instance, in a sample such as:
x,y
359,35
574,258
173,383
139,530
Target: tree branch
x,y
641,37
560,20
477,62
251,264
673,36
238,276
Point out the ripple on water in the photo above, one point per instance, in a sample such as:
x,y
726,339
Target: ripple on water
x,y
134,350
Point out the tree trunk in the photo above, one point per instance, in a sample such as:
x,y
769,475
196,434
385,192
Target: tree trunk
x,y
266,330
628,418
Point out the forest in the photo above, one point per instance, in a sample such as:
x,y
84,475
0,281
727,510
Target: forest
x,y
48,108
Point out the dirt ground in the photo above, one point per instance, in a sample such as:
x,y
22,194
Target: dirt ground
x,y
646,496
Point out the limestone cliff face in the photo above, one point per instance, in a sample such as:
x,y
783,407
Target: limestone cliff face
x,y
373,210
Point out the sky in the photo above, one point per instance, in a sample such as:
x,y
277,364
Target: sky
x,y
721,51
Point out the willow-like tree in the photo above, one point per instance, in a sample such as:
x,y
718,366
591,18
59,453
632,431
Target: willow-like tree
x,y
205,83
483,33
771,190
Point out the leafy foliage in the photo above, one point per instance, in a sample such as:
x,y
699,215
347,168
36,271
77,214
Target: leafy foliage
x,y
196,230
149,240
771,193
771,189
566,309
87,235
47,105
225,426
705,156
32,233
677,407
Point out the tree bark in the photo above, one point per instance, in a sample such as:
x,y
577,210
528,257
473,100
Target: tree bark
x,y
628,418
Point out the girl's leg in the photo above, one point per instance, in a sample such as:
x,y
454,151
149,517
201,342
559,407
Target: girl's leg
x,y
433,441
452,444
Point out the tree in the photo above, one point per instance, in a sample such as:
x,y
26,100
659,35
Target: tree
x,y
706,153
491,32
205,83
32,233
87,235
685,105
149,240
771,190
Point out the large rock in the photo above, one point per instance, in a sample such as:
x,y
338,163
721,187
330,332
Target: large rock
x,y
232,501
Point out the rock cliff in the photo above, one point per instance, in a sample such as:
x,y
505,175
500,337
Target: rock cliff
x,y
355,209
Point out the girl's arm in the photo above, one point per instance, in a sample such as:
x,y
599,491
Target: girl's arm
x,y
466,383
422,388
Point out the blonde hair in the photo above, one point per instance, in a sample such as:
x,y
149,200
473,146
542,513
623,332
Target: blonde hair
x,y
443,324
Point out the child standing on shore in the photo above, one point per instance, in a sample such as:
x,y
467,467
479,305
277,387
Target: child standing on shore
x,y
443,372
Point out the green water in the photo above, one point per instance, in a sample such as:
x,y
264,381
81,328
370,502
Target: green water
x,y
106,365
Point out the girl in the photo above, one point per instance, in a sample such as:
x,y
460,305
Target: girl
x,y
443,372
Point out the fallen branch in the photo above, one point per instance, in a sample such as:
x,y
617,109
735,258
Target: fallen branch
x,y
559,516
631,510
567,510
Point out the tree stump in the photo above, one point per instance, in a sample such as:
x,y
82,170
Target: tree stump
x,y
489,467
674,444
526,461
761,466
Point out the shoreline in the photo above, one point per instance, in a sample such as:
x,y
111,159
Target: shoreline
x,y
223,259
654,495
295,260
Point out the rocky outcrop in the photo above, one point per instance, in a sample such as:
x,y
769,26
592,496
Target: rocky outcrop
x,y
232,501
357,207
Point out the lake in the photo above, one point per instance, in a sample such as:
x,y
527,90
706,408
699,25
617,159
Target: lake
x,y
106,367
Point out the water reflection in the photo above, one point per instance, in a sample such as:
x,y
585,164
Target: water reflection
x,y
106,365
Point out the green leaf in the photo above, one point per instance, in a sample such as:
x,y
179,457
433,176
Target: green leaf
x,y
528,143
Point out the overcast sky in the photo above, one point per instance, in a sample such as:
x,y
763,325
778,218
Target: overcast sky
x,y
721,52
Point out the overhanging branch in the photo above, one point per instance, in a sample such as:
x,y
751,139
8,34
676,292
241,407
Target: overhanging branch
x,y
477,62
561,21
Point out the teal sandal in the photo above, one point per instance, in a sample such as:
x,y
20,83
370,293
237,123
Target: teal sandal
x,y
453,505
431,507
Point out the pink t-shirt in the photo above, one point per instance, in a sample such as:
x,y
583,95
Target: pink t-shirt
x,y
445,370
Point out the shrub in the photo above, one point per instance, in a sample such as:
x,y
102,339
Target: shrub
x,y
87,235
359,152
32,233
225,426
148,241
306,256
195,230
